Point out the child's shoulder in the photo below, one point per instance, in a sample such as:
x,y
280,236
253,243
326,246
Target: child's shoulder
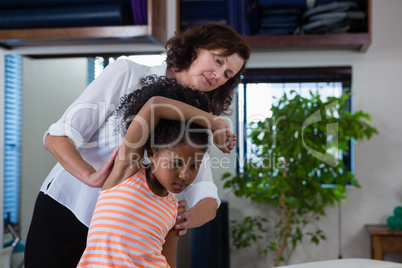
x,y
171,198
140,176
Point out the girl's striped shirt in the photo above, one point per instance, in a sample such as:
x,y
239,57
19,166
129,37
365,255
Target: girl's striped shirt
x,y
129,226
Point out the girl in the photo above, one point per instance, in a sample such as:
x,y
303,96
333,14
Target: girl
x,y
133,216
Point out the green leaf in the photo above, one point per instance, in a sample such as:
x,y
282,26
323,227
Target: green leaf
x,y
226,175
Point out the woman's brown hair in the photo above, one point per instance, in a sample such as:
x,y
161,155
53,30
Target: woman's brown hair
x,y
181,52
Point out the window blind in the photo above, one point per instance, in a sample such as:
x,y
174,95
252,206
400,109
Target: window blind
x,y
12,136
90,70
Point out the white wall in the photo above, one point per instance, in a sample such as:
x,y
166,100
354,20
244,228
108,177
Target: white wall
x,y
377,87
49,87
378,90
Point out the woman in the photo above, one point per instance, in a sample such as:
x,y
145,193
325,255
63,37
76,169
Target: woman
x,y
209,58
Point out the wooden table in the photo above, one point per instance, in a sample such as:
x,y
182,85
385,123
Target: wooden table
x,y
384,240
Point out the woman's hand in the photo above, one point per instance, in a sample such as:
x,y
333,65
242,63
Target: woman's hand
x,y
224,138
98,178
183,215
68,156
203,212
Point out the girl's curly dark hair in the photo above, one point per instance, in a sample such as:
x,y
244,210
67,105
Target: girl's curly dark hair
x,y
167,132
181,51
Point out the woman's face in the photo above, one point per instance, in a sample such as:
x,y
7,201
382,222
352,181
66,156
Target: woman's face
x,y
210,70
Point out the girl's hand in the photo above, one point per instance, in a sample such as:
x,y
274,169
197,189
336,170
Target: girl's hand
x,y
224,138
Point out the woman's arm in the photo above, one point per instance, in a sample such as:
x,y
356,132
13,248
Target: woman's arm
x,y
203,212
84,117
68,156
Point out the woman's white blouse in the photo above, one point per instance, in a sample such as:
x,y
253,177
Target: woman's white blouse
x,y
91,124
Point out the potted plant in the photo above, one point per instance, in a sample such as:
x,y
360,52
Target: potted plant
x,y
296,152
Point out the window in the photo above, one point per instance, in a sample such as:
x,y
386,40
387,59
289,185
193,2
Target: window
x,y
12,137
261,88
97,64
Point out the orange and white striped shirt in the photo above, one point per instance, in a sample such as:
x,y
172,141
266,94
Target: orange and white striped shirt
x,y
129,226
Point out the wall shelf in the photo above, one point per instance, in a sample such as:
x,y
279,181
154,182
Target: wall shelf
x,y
354,41
342,41
154,31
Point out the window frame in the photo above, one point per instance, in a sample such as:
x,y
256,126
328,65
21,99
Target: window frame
x,y
329,74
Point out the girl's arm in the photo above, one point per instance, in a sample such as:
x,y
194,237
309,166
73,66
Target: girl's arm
x,y
171,109
169,249
130,154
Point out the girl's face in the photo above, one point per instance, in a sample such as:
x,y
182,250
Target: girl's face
x,y
174,169
210,70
